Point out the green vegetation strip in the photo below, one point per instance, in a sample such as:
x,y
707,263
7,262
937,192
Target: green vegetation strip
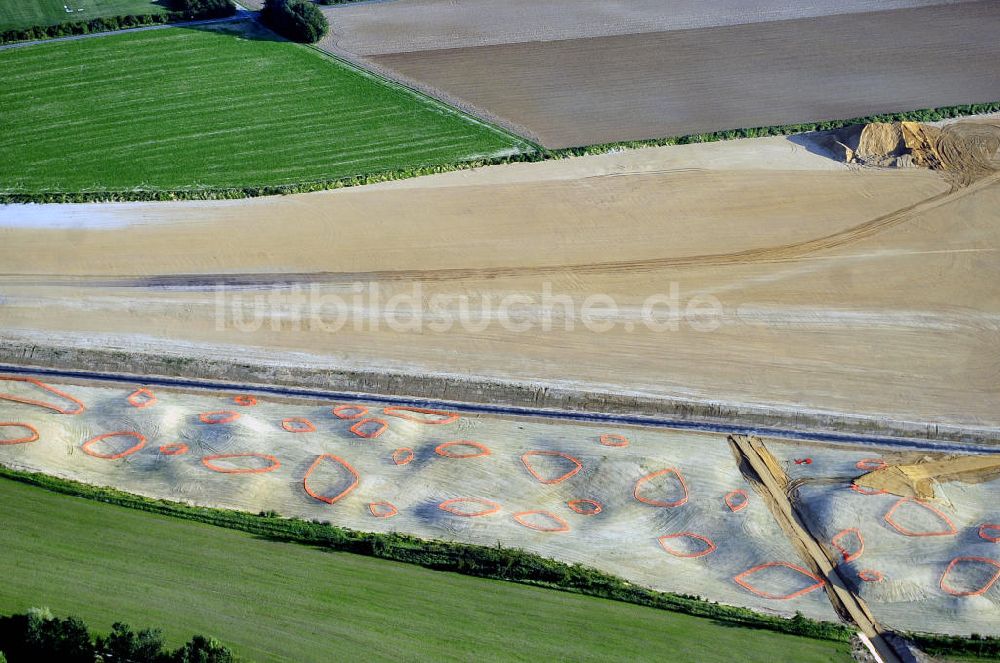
x,y
27,14
272,600
213,113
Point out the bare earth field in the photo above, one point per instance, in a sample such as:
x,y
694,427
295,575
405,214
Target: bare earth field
x,y
561,85
839,290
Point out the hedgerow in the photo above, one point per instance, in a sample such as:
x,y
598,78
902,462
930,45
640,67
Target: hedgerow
x,y
497,562
183,10
531,155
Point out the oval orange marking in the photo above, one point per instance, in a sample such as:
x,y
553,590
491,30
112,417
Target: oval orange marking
x,y
669,470
128,452
740,579
342,494
219,417
141,398
888,518
31,437
871,464
175,449
341,411
357,428
445,449
80,407
848,554
871,575
559,454
488,507
383,509
298,425
559,525
972,592
709,548
737,500
402,456
585,507
984,530
245,401
614,440
208,461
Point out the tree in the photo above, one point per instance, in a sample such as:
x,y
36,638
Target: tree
x,y
49,638
203,650
297,20
205,8
123,644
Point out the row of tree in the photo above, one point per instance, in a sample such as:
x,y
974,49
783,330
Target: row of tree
x,y
38,635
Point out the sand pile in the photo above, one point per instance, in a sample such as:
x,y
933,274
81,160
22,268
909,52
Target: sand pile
x,y
880,143
919,479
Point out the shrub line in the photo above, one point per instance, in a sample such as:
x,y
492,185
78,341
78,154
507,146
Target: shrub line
x,y
532,155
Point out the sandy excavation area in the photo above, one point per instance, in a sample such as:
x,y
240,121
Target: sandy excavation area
x,y
599,496
577,73
800,284
919,564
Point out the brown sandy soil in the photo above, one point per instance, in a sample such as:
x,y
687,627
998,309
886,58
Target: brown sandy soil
x,y
633,86
401,26
869,292
918,479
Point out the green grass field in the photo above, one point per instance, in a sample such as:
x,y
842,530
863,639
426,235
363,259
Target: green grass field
x,y
183,108
287,602
29,13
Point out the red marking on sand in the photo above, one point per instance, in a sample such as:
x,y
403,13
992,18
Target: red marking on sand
x,y
141,398
298,425
871,464
871,575
861,490
80,407
358,428
402,456
207,461
737,500
175,449
403,413
383,509
972,592
849,554
558,524
559,454
952,530
31,437
669,470
488,507
585,507
349,411
709,548
803,461
984,529
445,449
614,440
219,417
245,401
342,494
128,452
740,579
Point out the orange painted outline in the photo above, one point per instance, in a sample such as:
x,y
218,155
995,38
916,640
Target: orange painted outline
x,y
952,530
342,494
862,491
443,449
22,440
982,590
290,425
871,464
361,411
576,504
212,418
559,454
245,401
742,505
52,390
149,398
562,526
871,575
374,509
710,548
680,477
614,440
275,463
175,449
449,417
849,556
403,461
491,507
985,527
739,579
356,428
128,452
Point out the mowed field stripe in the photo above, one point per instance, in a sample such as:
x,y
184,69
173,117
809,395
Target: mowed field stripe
x,y
219,107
